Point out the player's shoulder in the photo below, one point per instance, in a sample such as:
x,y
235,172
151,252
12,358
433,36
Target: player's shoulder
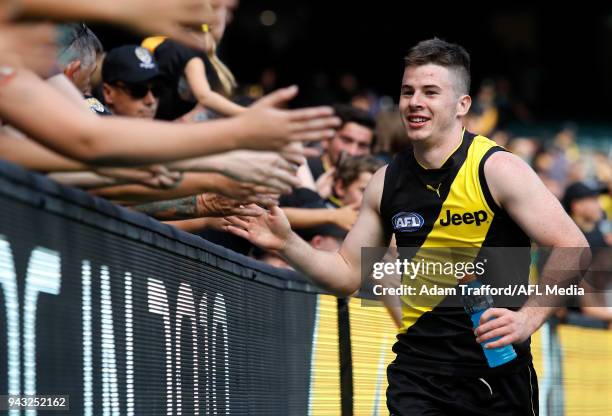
x,y
494,156
481,146
505,162
378,179
507,174
374,191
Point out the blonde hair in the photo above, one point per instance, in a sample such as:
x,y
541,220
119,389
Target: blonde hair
x,y
227,79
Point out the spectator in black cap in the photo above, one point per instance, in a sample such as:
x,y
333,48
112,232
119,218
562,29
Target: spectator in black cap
x,y
131,82
327,237
582,203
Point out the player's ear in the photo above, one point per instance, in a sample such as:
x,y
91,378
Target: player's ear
x,y
107,91
316,241
463,105
72,68
338,188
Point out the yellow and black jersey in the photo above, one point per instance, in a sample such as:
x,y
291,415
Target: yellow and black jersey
x,y
449,207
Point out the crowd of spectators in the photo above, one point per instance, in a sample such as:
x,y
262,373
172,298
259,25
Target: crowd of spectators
x,y
158,127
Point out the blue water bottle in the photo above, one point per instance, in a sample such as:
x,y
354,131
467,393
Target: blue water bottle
x,y
475,306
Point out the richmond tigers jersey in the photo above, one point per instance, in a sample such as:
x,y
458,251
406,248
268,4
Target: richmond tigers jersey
x,y
441,208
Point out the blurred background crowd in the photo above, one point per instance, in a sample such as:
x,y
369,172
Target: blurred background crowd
x,y
152,105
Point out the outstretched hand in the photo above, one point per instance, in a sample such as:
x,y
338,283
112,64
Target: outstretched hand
x,y
177,19
269,229
264,168
267,127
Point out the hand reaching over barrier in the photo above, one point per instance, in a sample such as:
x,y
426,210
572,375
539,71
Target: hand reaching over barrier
x,y
178,19
247,192
30,105
269,230
264,168
203,205
271,128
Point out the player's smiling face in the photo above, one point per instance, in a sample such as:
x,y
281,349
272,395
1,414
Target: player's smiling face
x,y
429,101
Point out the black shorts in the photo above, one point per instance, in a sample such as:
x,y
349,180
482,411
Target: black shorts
x,y
417,393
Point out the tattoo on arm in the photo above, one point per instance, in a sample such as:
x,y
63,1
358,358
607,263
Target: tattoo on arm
x,y
173,209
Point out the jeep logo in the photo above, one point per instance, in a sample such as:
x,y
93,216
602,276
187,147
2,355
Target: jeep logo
x,y
477,218
407,222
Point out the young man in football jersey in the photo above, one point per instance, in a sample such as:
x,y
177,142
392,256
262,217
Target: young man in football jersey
x,y
452,189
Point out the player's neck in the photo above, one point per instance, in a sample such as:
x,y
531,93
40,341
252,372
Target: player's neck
x,y
434,152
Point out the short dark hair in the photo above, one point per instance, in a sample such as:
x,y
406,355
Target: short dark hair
x,y
439,52
347,113
353,166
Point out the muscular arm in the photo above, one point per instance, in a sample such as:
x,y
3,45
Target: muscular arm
x,y
195,73
337,272
541,216
341,272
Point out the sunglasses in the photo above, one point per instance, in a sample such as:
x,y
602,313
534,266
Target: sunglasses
x,y
140,89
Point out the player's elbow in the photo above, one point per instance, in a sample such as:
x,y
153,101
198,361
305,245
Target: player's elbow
x,y
577,246
346,288
579,242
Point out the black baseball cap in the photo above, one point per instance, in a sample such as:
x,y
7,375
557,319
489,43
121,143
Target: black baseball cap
x,y
327,230
130,64
579,190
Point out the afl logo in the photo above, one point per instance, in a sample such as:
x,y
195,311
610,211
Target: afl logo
x,y
407,222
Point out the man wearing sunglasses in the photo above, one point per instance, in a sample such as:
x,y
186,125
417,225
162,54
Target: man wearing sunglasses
x,y
131,82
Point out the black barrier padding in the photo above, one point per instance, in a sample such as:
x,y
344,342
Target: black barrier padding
x,y
75,204
263,365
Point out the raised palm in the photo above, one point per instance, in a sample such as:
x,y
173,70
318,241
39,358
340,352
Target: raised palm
x,y
269,229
